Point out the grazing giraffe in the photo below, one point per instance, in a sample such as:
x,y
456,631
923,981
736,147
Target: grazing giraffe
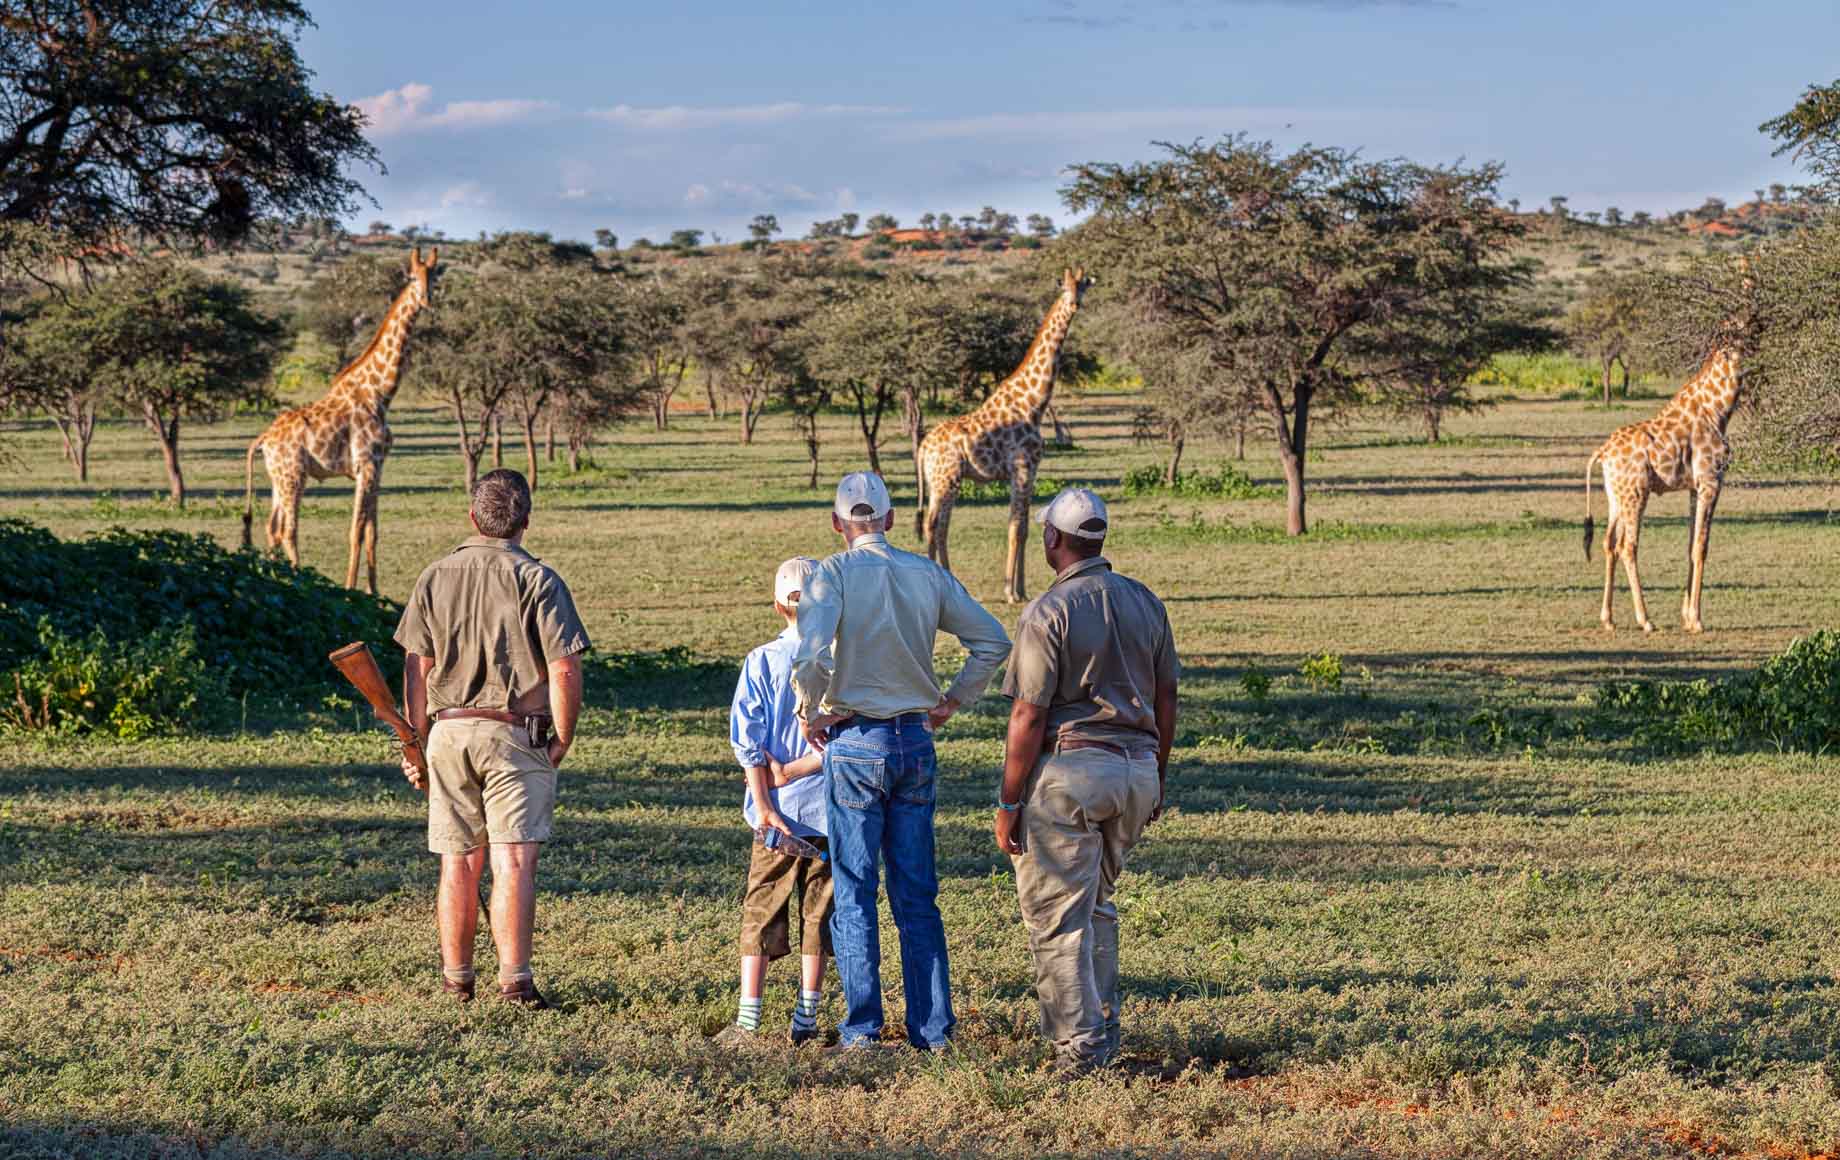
x,y
346,433
999,440
1681,448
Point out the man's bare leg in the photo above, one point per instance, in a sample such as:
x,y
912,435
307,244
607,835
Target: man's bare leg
x,y
457,909
514,906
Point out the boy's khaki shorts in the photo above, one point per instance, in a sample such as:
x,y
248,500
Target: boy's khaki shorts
x,y
773,881
486,784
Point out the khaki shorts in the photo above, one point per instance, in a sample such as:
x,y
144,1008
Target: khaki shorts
x,y
774,881
486,784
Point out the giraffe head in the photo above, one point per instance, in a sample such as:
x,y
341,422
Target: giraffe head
x,y
1075,283
420,273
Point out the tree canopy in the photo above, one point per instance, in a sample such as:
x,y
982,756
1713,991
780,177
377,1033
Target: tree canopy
x,y
184,119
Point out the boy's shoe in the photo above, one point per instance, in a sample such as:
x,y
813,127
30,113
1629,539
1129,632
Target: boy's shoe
x,y
809,1035
462,992
735,1035
524,994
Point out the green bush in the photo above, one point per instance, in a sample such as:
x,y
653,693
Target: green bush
x,y
997,490
1791,702
259,625
1227,483
152,684
1322,673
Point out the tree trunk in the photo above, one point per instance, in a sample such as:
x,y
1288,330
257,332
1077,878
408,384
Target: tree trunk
x,y
709,389
1625,367
1433,417
70,454
469,454
498,441
86,430
530,448
549,438
1293,448
1239,439
751,407
167,432
1178,442
1606,376
871,430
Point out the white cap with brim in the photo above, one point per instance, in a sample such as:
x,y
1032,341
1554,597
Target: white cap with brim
x,y
861,489
1071,509
789,581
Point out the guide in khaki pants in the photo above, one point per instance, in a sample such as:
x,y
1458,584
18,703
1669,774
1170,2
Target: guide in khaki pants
x,y
1093,681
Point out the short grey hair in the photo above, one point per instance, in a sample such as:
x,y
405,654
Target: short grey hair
x,y
501,503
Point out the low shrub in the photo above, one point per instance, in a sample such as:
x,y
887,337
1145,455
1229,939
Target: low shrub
x,y
260,626
997,490
129,689
1791,702
1227,483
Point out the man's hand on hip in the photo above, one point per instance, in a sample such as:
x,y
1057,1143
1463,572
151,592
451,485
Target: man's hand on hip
x,y
818,729
941,713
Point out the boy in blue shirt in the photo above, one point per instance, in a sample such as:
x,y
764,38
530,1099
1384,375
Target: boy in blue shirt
x,y
782,792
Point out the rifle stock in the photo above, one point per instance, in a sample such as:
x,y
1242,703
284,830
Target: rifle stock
x,y
360,668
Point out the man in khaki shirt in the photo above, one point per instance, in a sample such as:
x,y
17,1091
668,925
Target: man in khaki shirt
x,y
1093,681
493,668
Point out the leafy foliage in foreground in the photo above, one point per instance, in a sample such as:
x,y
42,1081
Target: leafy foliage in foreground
x,y
128,689
1228,483
258,626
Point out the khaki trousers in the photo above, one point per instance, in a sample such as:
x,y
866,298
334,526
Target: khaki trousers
x,y
1085,810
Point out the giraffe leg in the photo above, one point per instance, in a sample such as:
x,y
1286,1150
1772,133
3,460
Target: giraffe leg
x,y
360,502
370,542
1702,540
1686,589
942,528
290,521
1629,535
1021,489
1606,615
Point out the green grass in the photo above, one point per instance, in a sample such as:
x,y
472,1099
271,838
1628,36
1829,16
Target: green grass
x,y
1427,909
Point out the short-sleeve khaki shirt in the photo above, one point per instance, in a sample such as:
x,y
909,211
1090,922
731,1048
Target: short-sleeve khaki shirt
x,y
1092,650
493,617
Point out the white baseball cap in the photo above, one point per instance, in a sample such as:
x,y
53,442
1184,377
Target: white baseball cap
x,y
859,488
1073,507
789,581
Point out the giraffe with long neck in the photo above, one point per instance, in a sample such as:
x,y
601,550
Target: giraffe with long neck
x,y
1683,448
999,440
346,433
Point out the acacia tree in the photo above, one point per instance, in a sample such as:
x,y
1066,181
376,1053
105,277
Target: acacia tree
x,y
1305,275
1605,323
656,315
184,119
172,345
50,365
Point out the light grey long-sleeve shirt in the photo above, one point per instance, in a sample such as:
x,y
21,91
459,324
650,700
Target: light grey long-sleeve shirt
x,y
867,619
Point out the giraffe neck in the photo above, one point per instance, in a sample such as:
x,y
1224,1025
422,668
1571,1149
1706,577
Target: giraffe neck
x,y
1712,394
1030,385
374,374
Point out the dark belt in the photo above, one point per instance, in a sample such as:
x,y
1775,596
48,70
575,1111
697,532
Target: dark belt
x,y
1062,745
861,719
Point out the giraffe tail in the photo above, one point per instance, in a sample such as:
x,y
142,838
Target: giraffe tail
x,y
249,489
1590,526
919,500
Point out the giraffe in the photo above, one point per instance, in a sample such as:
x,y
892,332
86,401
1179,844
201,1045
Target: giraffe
x,y
999,440
345,433
1683,448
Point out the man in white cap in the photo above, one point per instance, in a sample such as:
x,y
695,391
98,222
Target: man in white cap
x,y
867,694
1093,685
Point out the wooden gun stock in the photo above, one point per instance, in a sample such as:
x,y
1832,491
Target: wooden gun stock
x,y
360,668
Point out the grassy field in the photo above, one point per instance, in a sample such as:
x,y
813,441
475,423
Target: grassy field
x,y
1370,925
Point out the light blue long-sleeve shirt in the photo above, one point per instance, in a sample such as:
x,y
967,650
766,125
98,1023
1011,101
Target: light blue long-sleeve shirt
x,y
764,722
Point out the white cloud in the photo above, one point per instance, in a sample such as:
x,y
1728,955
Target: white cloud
x,y
658,118
1176,122
696,195
574,193
411,108
466,195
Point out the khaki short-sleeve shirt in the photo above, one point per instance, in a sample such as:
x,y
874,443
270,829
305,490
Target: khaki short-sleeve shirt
x,y
1092,650
493,617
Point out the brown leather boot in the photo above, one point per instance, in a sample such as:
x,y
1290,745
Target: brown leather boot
x,y
525,994
460,991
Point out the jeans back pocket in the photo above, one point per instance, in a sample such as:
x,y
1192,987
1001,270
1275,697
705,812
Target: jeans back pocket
x,y
855,780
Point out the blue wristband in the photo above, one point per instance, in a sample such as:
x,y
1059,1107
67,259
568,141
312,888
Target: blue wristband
x,y
1007,807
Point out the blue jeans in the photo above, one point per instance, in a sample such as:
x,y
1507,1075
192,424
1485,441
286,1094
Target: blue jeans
x,y
881,777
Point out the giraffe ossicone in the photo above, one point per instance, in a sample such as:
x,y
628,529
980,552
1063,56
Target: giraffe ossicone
x,y
346,433
1001,439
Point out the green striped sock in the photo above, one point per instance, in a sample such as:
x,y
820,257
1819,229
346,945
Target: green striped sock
x,y
805,1012
748,1016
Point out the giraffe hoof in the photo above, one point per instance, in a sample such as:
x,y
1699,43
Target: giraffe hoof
x,y
1693,626
1648,626
1609,626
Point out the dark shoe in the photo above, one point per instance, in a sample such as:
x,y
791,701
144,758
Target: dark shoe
x,y
460,991
801,1038
524,994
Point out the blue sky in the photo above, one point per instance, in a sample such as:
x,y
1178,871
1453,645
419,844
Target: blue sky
x,y
568,115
